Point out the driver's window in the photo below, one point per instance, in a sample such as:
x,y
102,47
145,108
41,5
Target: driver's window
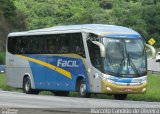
x,y
94,52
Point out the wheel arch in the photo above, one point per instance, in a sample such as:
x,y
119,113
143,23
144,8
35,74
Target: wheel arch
x,y
79,78
31,79
78,82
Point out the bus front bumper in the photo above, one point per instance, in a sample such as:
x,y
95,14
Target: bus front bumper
x,y
109,88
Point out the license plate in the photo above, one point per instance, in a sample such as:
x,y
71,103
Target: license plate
x,y
128,90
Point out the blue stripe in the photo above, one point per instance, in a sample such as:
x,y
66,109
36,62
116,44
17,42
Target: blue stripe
x,y
122,80
123,36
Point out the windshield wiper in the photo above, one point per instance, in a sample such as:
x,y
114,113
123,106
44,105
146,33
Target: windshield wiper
x,y
122,63
132,65
120,68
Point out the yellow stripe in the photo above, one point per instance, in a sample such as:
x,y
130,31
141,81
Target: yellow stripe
x,y
62,71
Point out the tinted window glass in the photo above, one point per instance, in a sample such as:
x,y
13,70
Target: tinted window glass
x,y
47,44
94,51
26,45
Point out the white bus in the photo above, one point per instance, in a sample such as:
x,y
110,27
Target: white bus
x,y
91,58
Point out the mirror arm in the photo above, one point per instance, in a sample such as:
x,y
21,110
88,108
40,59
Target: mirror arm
x,y
101,46
102,52
152,50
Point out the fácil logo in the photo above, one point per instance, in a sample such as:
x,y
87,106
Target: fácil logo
x,y
67,63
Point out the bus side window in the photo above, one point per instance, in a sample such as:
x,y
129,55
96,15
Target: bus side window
x,y
50,47
12,45
23,45
17,46
62,44
76,43
26,45
32,45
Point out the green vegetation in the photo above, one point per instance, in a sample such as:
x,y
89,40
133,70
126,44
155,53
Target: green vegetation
x,y
2,57
152,94
2,81
141,15
19,15
11,19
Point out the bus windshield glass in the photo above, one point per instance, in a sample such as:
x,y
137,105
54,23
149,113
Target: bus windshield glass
x,y
125,57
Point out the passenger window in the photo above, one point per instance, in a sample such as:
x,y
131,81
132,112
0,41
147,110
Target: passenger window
x,y
51,44
47,44
12,45
77,45
63,44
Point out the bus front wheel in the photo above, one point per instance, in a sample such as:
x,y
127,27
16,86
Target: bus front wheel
x,y
27,86
120,96
82,89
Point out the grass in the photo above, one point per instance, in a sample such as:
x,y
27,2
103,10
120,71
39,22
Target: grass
x,y
3,85
153,90
152,94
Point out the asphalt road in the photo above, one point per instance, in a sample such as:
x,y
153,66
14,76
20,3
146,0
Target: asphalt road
x,y
43,104
153,65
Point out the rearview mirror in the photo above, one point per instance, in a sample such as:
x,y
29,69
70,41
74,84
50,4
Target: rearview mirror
x,y
153,51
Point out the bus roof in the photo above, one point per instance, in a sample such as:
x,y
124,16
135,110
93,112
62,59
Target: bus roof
x,y
99,29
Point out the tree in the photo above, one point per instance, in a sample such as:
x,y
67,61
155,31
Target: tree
x,y
151,16
46,13
140,15
9,20
106,4
38,13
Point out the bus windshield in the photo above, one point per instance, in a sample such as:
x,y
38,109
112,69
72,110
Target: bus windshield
x,y
125,57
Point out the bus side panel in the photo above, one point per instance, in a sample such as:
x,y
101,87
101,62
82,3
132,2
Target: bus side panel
x,y
38,70
60,72
74,66
16,68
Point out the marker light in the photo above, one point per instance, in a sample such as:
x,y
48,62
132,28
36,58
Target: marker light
x,y
109,89
144,89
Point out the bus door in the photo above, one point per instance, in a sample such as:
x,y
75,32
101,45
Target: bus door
x,y
95,65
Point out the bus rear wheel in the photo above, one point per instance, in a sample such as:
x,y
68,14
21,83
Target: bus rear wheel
x,y
82,89
27,86
120,96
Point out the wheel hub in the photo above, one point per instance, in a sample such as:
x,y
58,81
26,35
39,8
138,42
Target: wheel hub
x,y
82,89
27,86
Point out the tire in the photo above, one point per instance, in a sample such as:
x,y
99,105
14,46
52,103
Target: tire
x,y
27,86
61,93
82,89
120,96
